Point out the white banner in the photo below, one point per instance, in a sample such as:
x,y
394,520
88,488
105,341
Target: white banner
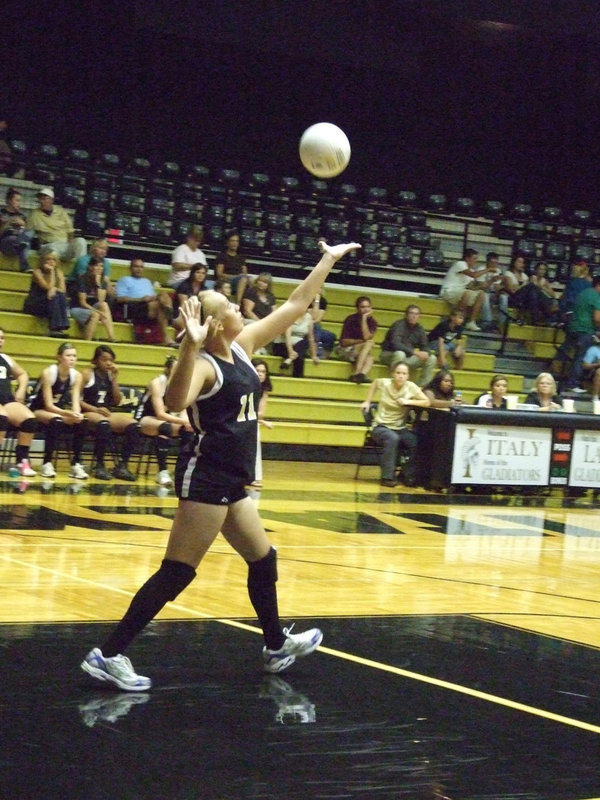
x,y
501,455
585,459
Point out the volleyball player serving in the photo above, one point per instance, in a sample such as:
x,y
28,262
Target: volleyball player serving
x,y
215,381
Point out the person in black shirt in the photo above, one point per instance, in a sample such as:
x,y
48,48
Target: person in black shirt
x,y
217,383
446,339
231,265
14,411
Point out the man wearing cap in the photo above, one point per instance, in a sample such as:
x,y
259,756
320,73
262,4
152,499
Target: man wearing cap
x,y
185,256
54,228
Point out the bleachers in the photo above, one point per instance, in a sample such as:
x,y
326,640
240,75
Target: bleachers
x,y
408,244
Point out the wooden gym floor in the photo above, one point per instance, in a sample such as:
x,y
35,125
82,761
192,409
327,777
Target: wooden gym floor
x,y
460,658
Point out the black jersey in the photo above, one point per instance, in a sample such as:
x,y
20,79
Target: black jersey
x,y
99,391
145,407
61,389
223,452
6,374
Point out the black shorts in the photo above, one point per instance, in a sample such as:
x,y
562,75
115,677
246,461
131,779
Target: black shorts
x,y
197,486
138,312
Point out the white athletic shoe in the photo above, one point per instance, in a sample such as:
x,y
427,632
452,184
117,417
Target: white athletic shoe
x,y
117,670
163,478
472,326
47,470
77,471
25,469
295,646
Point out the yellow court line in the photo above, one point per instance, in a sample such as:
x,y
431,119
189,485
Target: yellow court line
x,y
366,662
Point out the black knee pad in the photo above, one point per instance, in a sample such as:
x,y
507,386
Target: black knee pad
x,y
102,430
165,429
174,577
55,423
263,572
29,425
3,422
132,431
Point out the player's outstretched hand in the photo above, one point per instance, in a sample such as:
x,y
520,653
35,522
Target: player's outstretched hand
x,y
190,310
337,250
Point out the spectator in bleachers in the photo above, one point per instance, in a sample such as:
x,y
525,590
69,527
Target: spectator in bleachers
x,y
262,369
231,265
440,390
194,283
545,393
495,398
456,290
325,339
102,393
158,422
223,286
258,300
591,366
294,345
492,284
357,340
47,297
579,279
15,239
90,306
391,430
523,294
549,299
56,402
446,339
54,228
185,256
143,302
98,249
581,333
406,342
13,409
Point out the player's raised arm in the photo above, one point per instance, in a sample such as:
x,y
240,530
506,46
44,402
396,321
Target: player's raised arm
x,y
265,330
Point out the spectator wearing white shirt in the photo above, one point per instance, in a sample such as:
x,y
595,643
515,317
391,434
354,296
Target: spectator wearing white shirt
x,y
455,287
185,256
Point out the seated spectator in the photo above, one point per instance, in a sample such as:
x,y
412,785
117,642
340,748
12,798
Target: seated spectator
x,y
185,256
491,284
357,340
262,368
13,409
406,342
456,287
391,431
591,366
143,303
522,294
56,403
293,346
194,283
54,228
549,299
258,300
47,295
15,239
446,339
90,304
101,393
98,249
495,398
545,394
223,286
325,339
440,390
157,421
231,265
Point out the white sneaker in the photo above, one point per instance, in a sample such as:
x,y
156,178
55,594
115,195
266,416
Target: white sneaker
x,y
117,670
576,390
295,645
163,478
77,471
25,469
472,326
47,470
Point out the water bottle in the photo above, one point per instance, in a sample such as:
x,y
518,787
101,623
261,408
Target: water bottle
x,y
13,472
458,396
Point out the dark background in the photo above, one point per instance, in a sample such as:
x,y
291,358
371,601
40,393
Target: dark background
x,y
490,99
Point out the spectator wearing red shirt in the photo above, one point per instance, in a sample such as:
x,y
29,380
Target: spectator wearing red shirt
x,y
357,339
